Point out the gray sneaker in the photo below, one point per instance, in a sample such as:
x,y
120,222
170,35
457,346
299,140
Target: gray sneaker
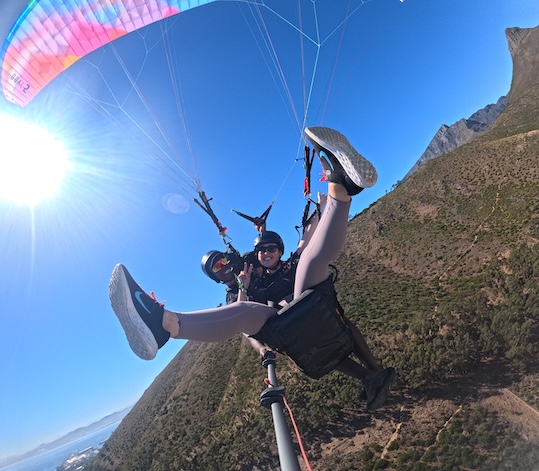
x,y
140,314
377,387
342,163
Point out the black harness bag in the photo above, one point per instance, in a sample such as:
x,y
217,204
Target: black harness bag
x,y
311,331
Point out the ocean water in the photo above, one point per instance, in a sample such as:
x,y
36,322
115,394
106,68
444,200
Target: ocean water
x,y
51,459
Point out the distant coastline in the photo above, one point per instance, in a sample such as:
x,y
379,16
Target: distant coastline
x,y
59,458
69,438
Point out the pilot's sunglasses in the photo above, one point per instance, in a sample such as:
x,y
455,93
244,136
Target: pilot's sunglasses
x,y
268,248
218,266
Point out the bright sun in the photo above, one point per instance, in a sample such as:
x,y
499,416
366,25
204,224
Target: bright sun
x,y
33,163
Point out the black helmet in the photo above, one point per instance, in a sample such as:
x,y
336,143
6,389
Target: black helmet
x,y
208,261
269,237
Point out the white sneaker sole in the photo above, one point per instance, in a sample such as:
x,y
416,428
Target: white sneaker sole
x,y
140,337
357,167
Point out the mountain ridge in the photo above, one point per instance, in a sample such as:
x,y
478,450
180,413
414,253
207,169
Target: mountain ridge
x,y
449,138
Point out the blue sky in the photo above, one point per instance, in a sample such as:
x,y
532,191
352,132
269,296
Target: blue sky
x,y
404,69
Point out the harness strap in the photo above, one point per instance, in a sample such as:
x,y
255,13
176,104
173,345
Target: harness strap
x,y
308,164
258,220
205,205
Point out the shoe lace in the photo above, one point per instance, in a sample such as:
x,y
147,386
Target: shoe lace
x,y
152,295
324,172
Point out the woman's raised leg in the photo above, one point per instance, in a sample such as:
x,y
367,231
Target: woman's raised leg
x,y
148,326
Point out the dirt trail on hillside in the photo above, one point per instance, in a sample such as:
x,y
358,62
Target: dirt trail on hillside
x,y
522,417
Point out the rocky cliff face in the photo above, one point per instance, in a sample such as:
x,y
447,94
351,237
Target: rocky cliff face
x,y
515,37
449,138
524,49
521,112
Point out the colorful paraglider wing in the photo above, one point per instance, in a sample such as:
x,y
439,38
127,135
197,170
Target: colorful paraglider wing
x,y
51,35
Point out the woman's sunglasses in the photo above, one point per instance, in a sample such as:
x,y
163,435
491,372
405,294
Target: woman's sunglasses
x,y
267,248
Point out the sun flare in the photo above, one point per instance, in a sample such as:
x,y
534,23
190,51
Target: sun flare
x,y
33,163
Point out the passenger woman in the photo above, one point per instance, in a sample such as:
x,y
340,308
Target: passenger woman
x,y
148,325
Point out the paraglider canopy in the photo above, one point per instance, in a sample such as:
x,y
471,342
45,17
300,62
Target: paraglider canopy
x,y
123,48
51,35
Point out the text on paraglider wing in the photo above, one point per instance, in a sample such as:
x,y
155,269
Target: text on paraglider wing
x,y
20,82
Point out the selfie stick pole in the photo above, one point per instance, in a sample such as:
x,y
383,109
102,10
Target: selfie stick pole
x,y
272,398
